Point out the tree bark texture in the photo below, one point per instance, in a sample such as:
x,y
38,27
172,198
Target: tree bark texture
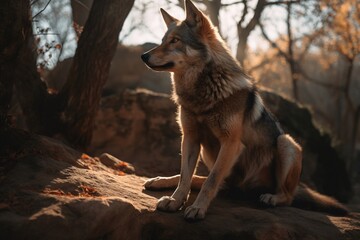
x,y
80,11
10,25
96,47
16,29
38,106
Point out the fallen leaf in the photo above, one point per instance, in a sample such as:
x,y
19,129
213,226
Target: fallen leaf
x,y
121,165
84,156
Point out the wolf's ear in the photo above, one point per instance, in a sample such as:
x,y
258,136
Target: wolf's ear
x,y
167,17
194,17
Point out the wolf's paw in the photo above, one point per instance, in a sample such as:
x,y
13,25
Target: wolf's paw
x,y
269,199
159,183
168,204
153,183
194,213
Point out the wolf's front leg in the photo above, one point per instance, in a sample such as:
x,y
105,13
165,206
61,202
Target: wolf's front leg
x,y
227,157
190,149
190,152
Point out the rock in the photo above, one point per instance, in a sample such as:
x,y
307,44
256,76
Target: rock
x,y
50,191
140,127
112,162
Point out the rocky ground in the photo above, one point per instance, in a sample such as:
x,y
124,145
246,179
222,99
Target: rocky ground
x,y
51,191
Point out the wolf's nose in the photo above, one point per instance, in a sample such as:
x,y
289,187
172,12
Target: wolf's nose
x,y
145,57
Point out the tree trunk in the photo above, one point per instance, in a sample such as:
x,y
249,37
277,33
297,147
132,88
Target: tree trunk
x,y
351,62
294,70
244,32
97,45
80,10
15,27
213,8
6,86
242,47
294,78
354,168
70,113
10,26
38,106
351,117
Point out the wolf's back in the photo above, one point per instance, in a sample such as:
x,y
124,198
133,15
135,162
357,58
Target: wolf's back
x,y
306,198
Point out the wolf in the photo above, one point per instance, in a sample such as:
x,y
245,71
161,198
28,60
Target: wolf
x,y
224,121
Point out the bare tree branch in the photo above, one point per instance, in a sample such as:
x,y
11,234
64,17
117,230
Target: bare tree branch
x,y
38,34
289,34
283,2
244,31
234,3
272,43
311,39
245,12
47,4
33,2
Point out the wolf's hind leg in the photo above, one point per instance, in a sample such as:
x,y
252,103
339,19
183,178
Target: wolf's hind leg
x,y
161,183
288,170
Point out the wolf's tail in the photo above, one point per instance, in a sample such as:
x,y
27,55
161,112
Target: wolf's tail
x,y
306,198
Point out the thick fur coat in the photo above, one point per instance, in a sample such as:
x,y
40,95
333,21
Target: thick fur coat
x,y
224,121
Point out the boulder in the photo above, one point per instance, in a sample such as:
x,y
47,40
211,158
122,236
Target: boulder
x,y
50,191
139,127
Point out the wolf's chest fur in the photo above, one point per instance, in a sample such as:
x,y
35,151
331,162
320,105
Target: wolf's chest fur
x,y
202,87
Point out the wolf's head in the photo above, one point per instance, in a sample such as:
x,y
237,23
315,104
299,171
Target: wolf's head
x,y
184,44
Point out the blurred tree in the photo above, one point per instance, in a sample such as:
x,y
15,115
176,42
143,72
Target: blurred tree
x,y
244,28
294,55
70,112
243,25
336,29
342,28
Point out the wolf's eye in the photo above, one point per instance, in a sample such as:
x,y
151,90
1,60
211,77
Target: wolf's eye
x,y
174,40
